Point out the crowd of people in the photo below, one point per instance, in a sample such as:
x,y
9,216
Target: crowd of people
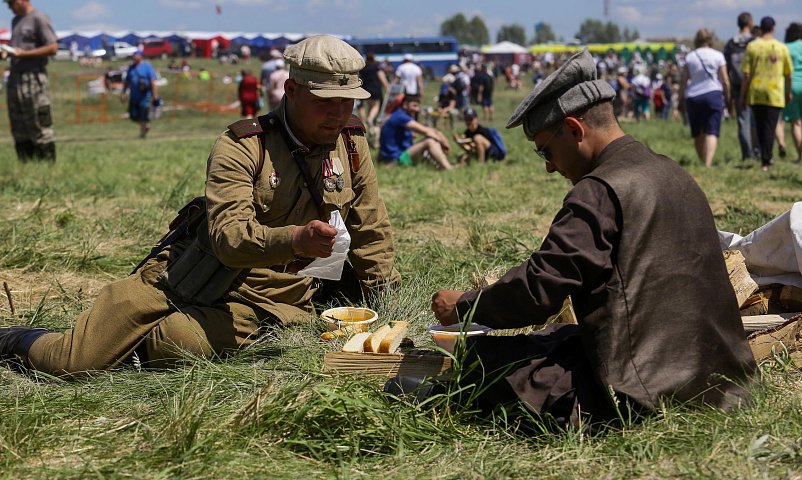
x,y
757,80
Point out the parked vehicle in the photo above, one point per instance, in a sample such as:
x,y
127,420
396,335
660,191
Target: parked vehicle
x,y
157,48
64,53
116,51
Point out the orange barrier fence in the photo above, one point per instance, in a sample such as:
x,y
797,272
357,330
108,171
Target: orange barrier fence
x,y
197,91
204,92
80,108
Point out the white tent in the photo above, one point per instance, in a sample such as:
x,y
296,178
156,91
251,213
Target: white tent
x,y
505,47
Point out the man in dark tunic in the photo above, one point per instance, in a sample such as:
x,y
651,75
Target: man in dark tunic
x,y
636,248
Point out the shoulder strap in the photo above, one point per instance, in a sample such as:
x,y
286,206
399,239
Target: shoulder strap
x,y
258,126
354,123
704,65
298,155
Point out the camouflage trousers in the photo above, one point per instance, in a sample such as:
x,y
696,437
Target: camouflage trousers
x,y
29,108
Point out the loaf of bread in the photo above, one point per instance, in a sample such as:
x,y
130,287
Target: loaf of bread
x,y
372,342
390,342
357,343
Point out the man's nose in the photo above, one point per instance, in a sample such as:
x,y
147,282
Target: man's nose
x,y
550,168
341,110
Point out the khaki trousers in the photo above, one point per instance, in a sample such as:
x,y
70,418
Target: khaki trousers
x,y
136,312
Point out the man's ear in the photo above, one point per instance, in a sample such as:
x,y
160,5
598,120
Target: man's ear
x,y
290,88
576,128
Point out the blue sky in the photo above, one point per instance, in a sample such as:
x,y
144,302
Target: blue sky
x,y
407,17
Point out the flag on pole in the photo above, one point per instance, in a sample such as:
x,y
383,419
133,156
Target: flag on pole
x,y
219,10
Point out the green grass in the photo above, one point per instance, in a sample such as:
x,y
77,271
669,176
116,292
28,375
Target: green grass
x,y
68,228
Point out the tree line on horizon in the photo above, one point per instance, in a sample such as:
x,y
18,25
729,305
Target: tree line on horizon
x,y
475,32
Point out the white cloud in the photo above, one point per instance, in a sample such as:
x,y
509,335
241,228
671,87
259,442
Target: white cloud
x,y
634,17
630,15
392,28
181,4
718,5
103,27
91,12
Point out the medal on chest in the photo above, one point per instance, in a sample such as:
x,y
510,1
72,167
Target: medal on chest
x,y
327,168
274,179
330,184
337,166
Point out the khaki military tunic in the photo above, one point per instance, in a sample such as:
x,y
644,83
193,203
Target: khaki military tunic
x,y
250,222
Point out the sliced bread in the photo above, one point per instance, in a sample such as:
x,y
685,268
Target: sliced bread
x,y
357,343
390,342
372,342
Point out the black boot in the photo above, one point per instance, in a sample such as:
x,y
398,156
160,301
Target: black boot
x,y
46,152
16,341
413,390
25,150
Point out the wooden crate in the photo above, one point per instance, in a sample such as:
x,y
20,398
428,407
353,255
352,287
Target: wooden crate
x,y
413,364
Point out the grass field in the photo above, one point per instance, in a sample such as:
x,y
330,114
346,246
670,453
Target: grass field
x,y
69,228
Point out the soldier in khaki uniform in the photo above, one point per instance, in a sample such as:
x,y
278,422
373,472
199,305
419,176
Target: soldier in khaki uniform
x,y
261,218
29,105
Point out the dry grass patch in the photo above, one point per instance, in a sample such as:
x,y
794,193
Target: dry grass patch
x,y
31,289
449,235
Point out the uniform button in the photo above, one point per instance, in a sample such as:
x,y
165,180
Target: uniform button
x,y
304,184
264,206
298,211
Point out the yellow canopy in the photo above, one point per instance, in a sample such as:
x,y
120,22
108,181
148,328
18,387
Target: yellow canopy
x,y
602,48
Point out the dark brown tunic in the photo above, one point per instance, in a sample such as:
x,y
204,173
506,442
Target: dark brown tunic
x,y
636,247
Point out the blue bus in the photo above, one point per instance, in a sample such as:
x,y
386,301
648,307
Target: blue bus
x,y
433,54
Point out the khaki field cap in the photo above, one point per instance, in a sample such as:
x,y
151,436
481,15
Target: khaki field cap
x,y
328,66
572,87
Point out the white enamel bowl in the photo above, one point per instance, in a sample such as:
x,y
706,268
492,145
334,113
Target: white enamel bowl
x,y
446,337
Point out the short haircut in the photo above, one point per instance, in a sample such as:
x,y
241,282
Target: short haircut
x,y
371,57
411,98
744,20
599,116
793,32
703,37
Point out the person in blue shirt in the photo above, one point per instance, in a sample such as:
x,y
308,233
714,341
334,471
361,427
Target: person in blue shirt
x,y
396,140
141,83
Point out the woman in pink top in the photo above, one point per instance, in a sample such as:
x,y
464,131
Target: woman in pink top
x,y
276,87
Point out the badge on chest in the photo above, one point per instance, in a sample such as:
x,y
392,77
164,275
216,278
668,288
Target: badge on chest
x,y
332,170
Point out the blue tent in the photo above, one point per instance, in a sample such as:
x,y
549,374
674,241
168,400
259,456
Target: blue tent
x,y
281,42
131,38
74,37
97,41
261,42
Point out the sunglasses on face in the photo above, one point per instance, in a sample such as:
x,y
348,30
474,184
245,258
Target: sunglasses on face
x,y
541,152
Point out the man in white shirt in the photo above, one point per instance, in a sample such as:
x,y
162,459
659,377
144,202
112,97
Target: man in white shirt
x,y
641,87
410,76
